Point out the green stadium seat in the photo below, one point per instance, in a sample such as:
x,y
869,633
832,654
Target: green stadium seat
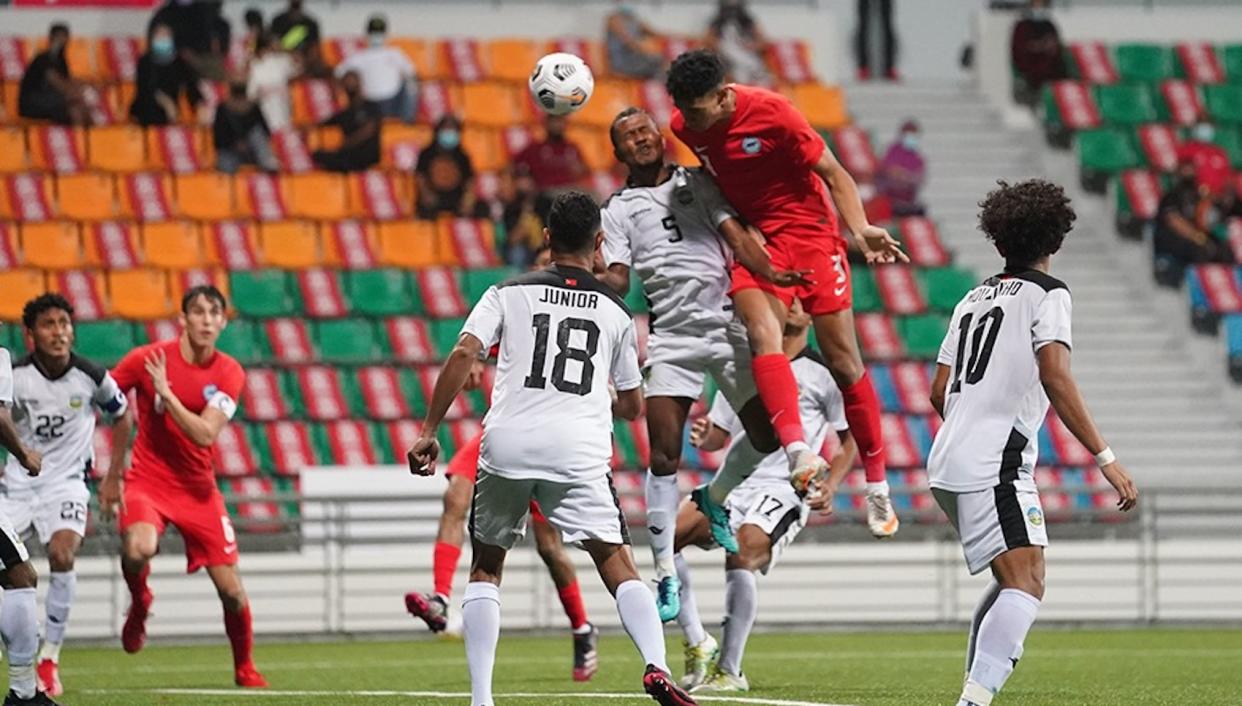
x,y
1144,62
1102,153
104,342
444,335
623,437
866,294
1230,138
635,299
347,341
293,397
261,293
1124,104
11,339
380,293
945,286
413,391
240,340
1224,103
1232,62
923,334
476,282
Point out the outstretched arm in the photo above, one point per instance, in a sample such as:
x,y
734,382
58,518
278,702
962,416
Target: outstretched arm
x,y
747,247
875,242
453,376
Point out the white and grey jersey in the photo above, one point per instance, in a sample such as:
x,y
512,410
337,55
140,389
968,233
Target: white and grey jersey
x,y
56,416
667,234
819,401
995,403
6,379
563,335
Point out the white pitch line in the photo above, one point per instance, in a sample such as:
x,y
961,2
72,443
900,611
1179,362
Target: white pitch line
x,y
273,693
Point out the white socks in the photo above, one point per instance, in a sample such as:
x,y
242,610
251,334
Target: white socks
x,y
999,644
480,612
60,590
981,609
741,606
663,496
19,626
688,618
741,459
637,609
880,487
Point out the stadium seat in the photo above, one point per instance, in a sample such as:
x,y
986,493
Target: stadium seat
x,y
483,146
790,61
878,337
400,145
14,53
1159,144
317,195
13,155
1068,106
511,59
140,294
10,246
285,447
181,282
440,291
265,397
54,148
490,104
84,290
1233,344
52,246
117,57
232,455
104,342
470,243
823,106
1180,102
1146,63
261,293
261,197
290,245
321,392
145,196
444,335
592,142
945,286
1125,104
239,340
1230,138
287,340
378,196
389,394
437,99
899,290
461,59
86,197
591,51
1199,62
922,243
1231,56
320,293
1101,153
175,245
349,244
379,293
420,54
408,244
409,339
19,286
26,198
1137,198
922,335
1224,103
205,196
853,147
176,148
117,148
232,244
347,341
865,293
111,245
346,442
314,101
476,282
465,405
610,97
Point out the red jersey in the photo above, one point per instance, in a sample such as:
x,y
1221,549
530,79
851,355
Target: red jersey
x,y
162,452
762,159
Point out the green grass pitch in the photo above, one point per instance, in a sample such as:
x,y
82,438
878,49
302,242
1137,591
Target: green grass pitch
x,y
1080,667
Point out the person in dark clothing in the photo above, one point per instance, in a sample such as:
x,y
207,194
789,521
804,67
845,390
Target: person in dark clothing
x,y
445,175
240,134
360,129
47,90
888,39
200,32
1183,228
255,31
525,211
162,78
299,33
1036,51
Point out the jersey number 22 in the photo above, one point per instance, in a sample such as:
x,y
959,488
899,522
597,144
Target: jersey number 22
x,y
565,353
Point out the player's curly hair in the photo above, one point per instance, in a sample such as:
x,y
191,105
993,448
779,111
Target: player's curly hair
x,y
1026,221
42,303
694,74
573,222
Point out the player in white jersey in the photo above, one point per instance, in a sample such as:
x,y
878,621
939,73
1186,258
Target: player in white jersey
x,y
766,511
56,396
19,619
672,227
1005,357
548,436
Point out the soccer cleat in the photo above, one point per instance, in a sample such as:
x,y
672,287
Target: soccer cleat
x,y
721,682
807,469
430,607
668,597
248,677
134,633
699,659
39,699
881,518
717,516
48,673
586,659
659,685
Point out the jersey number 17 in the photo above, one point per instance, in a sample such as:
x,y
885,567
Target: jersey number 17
x,y
566,352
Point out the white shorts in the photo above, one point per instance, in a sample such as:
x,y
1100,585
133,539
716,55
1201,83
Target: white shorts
x,y
581,511
48,508
12,549
677,366
774,508
990,522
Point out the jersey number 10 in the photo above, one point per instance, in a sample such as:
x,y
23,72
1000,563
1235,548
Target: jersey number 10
x,y
981,345
565,353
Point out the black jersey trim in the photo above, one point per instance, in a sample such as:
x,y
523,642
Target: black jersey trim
x,y
1009,516
782,527
1043,279
1011,457
559,275
812,355
95,372
616,501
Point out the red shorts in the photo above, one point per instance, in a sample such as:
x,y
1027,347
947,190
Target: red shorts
x,y
204,523
828,261
465,464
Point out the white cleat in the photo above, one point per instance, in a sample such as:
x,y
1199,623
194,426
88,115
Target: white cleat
x,y
881,518
807,469
721,682
699,659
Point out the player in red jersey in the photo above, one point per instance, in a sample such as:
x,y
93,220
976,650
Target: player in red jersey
x,y
779,175
186,392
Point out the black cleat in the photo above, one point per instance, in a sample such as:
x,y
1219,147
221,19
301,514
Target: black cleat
x,y
39,699
586,661
660,686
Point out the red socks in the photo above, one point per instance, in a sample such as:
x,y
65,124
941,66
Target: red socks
x,y
571,600
443,565
137,582
241,635
779,391
862,411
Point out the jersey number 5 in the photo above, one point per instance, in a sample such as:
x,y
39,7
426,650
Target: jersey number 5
x,y
670,223
981,345
565,353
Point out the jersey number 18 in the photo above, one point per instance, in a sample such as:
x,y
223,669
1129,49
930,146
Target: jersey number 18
x,y
981,345
565,353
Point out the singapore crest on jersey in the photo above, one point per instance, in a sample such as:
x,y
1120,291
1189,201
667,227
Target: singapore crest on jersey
x,y
751,145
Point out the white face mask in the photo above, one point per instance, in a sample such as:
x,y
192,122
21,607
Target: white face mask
x,y
910,140
1204,133
376,39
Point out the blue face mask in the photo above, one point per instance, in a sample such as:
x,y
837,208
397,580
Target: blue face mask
x,y
376,39
162,48
1204,132
448,138
910,141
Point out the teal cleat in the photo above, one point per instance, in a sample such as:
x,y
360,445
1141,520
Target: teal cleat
x,y
722,532
668,598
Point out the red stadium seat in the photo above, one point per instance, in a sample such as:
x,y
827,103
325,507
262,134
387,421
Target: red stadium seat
x,y
1160,144
117,57
145,196
878,337
321,392
913,384
233,244
514,139
14,53
26,198
409,339
437,99
290,446
1183,101
263,399
441,293
9,247
260,196
350,443
111,245
289,340
321,293
314,101
1076,105
462,59
378,196
232,455
654,98
922,242
350,245
184,280
899,446
291,151
161,329
1200,62
472,241
175,148
899,290
853,148
401,435
382,394
790,60
1068,449
58,149
459,409
84,290
1094,62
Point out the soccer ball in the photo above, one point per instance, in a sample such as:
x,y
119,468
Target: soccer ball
x,y
561,83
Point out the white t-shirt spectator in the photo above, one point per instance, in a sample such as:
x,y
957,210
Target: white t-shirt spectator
x,y
383,70
268,85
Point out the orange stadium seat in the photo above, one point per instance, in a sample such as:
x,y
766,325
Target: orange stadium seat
x,y
12,150
80,55
408,243
681,154
381,196
175,245
26,197
264,197
823,106
111,245
401,143
54,148
290,245
462,59
140,294
483,146
610,97
420,53
146,197
117,148
86,197
594,144
206,196
177,148
52,246
10,246
117,57
19,286
490,104
511,59
8,95
317,195
179,282
591,51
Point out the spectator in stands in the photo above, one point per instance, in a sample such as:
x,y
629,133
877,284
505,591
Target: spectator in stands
x,y
1210,160
888,38
1036,52
903,172
524,213
735,36
445,176
200,33
240,134
554,163
299,33
360,123
253,19
388,77
47,90
268,82
633,46
1183,227
162,78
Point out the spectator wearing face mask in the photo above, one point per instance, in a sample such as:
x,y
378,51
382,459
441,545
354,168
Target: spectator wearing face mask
x,y
47,90
268,82
388,77
1210,160
633,46
554,163
735,36
162,79
903,172
240,134
1036,51
445,176
200,32
1183,227
360,123
524,211
298,33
